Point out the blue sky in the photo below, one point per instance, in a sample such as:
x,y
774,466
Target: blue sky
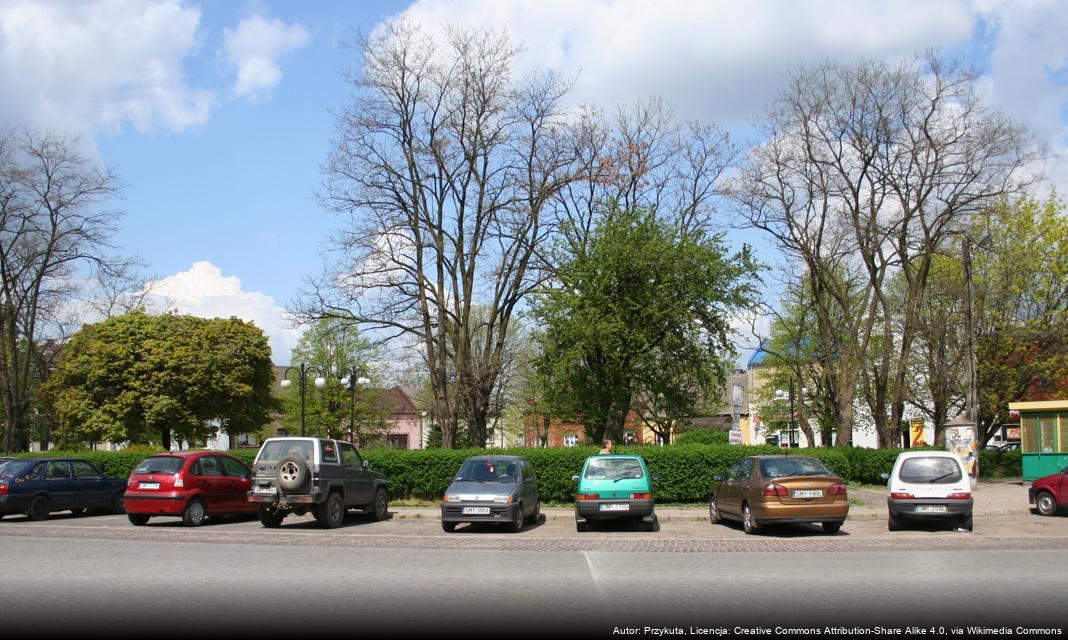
x,y
217,115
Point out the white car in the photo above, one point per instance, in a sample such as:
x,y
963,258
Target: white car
x,y
929,485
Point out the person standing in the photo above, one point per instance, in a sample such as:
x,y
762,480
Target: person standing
x,y
606,448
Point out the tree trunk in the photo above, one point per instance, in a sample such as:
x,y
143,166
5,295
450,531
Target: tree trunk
x,y
165,438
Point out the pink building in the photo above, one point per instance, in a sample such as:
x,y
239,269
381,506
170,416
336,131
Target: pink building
x,y
408,426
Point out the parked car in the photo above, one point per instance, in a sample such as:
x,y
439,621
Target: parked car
x,y
494,489
1009,446
766,490
613,487
1049,495
190,485
40,486
324,477
929,485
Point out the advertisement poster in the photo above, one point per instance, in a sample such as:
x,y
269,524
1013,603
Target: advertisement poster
x,y
962,441
916,437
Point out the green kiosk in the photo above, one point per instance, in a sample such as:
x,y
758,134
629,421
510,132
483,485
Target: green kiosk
x,y
1043,437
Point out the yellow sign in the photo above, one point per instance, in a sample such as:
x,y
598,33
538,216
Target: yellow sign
x,y
916,433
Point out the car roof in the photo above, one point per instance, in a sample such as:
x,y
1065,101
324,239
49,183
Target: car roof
x,y
617,455
489,456
186,454
927,454
783,457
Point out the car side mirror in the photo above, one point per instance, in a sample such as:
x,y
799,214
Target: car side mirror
x,y
574,478
366,464
884,476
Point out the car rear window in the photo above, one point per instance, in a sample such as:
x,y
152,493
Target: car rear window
x,y
932,470
278,449
167,465
14,468
614,469
793,467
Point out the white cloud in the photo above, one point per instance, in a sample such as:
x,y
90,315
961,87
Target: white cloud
x,y
253,49
203,291
81,67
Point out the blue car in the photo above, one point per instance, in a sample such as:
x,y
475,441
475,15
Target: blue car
x,y
38,486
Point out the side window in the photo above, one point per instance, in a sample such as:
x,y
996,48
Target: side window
x,y
329,452
83,469
745,469
732,473
208,466
234,468
350,455
528,472
57,471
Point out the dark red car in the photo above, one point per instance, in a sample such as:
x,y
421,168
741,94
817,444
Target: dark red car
x,y
190,485
1048,495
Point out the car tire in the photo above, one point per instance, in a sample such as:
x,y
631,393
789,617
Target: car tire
x,y
894,523
713,510
832,527
269,518
138,519
966,523
1045,503
749,524
40,509
581,527
195,513
292,474
652,526
380,507
517,519
536,515
448,527
118,503
331,513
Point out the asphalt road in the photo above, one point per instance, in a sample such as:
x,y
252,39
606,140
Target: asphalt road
x,y
235,578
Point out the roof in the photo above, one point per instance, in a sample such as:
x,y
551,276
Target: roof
x,y
493,457
1047,405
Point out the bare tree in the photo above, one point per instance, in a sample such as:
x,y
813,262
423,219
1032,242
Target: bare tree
x,y
868,171
52,229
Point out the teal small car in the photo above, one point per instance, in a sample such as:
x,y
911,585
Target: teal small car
x,y
613,487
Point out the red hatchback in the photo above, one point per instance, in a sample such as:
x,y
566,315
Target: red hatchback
x,y
190,485
1050,494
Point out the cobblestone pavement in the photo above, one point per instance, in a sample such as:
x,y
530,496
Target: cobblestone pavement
x,y
995,532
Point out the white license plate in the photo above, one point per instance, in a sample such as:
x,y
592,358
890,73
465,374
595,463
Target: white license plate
x,y
807,493
262,489
930,508
476,511
148,485
615,507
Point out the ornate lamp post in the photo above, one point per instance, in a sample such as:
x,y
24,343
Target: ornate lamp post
x,y
302,379
350,382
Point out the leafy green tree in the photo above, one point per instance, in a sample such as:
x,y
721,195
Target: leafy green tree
x,y
336,350
640,307
145,379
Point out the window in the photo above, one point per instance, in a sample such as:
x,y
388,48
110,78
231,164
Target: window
x,y
208,466
793,467
246,440
571,440
528,471
614,469
57,471
168,465
329,452
397,440
743,469
931,470
350,455
234,468
628,437
488,470
278,449
83,469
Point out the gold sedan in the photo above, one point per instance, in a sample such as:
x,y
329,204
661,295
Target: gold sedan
x,y
763,490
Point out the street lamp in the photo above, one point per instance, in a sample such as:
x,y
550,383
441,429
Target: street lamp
x,y
784,395
350,382
422,430
302,379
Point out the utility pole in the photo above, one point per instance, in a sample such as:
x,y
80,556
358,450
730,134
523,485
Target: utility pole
x,y
973,383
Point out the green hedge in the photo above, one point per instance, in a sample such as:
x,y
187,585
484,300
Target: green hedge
x,y
685,471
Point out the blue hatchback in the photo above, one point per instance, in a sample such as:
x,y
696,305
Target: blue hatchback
x,y
39,486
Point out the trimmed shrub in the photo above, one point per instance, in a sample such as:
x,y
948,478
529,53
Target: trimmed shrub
x,y
116,464
1000,464
704,436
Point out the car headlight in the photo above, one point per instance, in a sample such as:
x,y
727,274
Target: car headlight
x,y
452,497
503,499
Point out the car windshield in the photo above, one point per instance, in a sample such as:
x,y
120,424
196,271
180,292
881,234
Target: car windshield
x,y
930,470
168,465
614,469
489,471
789,467
276,450
13,468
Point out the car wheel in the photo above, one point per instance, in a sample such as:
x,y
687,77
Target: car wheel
x,y
292,474
749,525
536,514
118,503
448,527
652,526
713,511
331,513
1046,504
966,522
138,519
194,513
832,527
581,527
517,519
39,509
380,508
269,518
894,523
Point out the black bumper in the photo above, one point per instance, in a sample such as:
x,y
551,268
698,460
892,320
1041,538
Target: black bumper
x,y
286,501
454,512
907,508
591,509
14,504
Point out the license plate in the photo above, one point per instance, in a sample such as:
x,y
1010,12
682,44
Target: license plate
x,y
615,507
930,508
476,511
265,489
148,485
807,493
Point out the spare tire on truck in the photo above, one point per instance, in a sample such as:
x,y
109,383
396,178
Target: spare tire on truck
x,y
292,474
